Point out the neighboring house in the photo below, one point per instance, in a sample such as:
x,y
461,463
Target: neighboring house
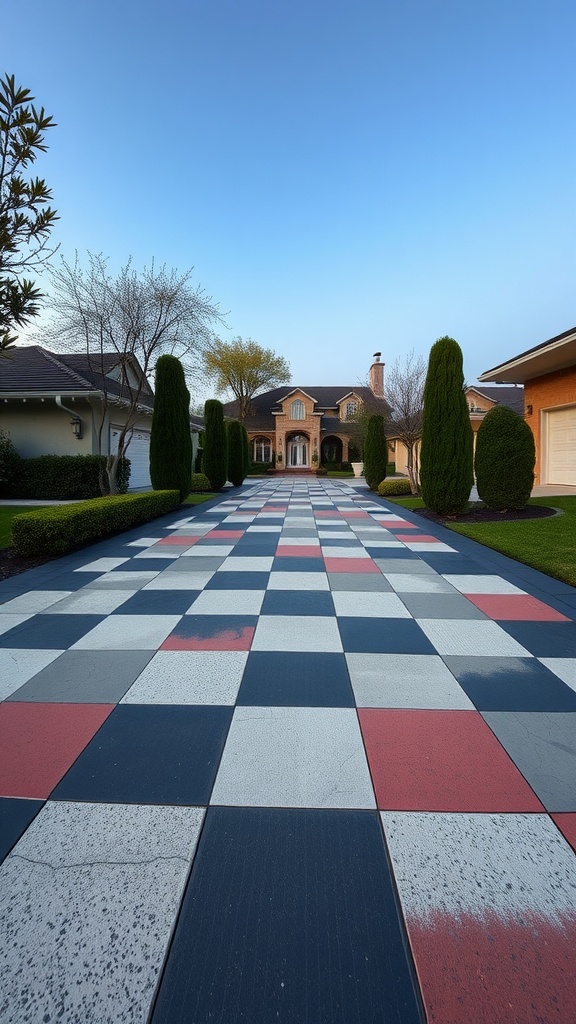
x,y
480,400
53,404
304,426
548,373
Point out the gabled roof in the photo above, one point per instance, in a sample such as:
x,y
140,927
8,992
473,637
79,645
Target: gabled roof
x,y
32,369
557,353
512,397
327,398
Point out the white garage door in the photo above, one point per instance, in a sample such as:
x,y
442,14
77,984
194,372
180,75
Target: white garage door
x,y
139,455
562,446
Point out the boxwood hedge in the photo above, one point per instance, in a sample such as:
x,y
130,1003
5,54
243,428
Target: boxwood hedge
x,y
61,528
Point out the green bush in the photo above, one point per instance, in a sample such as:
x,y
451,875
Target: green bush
x,y
246,451
389,487
390,469
170,438
199,483
446,453
261,467
236,452
62,528
505,457
9,462
64,477
375,452
214,457
321,471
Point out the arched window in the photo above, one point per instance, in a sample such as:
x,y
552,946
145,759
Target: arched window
x,y
297,410
261,450
351,409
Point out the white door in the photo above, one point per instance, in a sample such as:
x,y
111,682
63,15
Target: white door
x,y
297,453
561,446
139,455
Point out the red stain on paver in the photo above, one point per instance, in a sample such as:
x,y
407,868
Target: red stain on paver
x,y
355,515
516,607
395,524
224,534
420,538
350,565
227,640
39,743
567,825
178,539
441,761
298,551
487,969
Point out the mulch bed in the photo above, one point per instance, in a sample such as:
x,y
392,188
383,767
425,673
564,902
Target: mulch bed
x,y
488,515
11,563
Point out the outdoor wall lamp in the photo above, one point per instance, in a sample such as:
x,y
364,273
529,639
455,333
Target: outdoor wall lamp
x,y
528,410
76,424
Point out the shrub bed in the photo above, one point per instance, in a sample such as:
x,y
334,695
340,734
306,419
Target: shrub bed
x,y
389,487
56,530
63,477
199,483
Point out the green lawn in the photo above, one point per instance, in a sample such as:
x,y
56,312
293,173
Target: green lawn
x,y
546,544
197,499
339,473
7,513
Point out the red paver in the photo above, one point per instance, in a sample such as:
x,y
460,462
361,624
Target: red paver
x,y
227,640
179,539
393,524
516,607
355,515
420,538
39,742
566,822
326,514
441,761
350,565
298,551
224,534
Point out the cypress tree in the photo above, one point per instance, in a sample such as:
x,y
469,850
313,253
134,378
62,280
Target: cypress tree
x,y
236,457
170,438
215,455
247,460
446,452
505,457
375,452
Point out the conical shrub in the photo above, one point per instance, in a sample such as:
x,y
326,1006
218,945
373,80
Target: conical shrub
x,y
375,452
446,475
236,458
505,457
215,455
170,438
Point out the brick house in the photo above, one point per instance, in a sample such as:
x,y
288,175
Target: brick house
x,y
304,426
548,373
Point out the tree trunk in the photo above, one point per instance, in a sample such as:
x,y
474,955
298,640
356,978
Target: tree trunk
x,y
412,467
112,473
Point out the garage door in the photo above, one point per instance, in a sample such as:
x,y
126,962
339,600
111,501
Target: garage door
x,y
562,446
139,455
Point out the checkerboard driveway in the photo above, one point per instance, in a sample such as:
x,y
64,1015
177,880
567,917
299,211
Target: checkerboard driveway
x,y
296,741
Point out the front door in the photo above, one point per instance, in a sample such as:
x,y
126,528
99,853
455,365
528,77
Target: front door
x,y
298,452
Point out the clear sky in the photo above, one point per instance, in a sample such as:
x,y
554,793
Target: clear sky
x,y
345,177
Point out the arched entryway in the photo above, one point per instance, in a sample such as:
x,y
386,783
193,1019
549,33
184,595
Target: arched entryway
x,y
331,450
297,451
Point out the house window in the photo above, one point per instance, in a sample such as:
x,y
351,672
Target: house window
x,y
297,410
261,450
351,409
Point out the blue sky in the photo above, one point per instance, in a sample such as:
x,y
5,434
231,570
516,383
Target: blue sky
x,y
345,177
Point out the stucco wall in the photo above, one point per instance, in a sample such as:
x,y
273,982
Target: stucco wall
x,y
41,428
547,392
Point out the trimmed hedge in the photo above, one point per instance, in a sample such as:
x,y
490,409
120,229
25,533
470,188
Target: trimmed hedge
x,y
199,483
505,457
446,451
389,487
59,529
375,452
63,477
170,440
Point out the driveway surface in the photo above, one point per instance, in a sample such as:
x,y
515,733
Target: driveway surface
x,y
291,757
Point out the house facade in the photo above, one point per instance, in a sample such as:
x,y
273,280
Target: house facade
x,y
75,404
301,427
548,373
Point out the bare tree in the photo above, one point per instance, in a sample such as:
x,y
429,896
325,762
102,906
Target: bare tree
x,y
244,368
405,394
134,318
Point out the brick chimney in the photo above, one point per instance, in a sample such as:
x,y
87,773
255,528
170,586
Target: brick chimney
x,y
376,376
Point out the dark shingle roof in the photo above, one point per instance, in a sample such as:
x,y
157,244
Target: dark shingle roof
x,y
327,398
513,397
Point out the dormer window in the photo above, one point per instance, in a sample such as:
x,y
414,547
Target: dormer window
x,y
297,410
351,409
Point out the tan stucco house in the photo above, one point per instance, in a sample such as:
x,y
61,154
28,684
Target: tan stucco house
x,y
73,404
548,373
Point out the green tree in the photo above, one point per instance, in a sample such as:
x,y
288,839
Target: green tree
x,y
25,218
244,368
246,447
505,457
236,454
446,455
375,452
170,438
214,455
